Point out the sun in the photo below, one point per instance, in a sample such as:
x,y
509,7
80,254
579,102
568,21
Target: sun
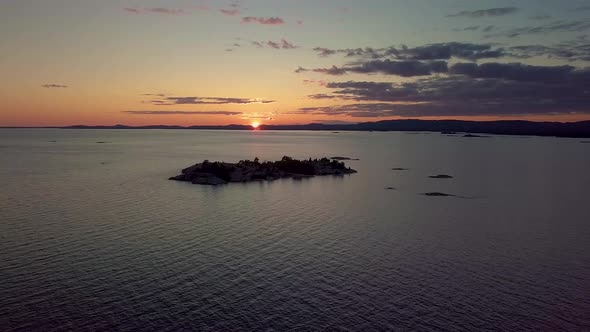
x,y
255,124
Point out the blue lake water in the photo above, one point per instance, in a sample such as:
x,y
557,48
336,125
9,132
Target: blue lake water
x,y
93,237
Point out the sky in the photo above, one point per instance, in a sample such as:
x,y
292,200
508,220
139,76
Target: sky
x,y
189,62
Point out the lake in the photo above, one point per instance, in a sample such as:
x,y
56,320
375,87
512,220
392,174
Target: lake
x,y
95,238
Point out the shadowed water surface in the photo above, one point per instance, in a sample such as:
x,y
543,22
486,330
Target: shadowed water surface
x,y
94,237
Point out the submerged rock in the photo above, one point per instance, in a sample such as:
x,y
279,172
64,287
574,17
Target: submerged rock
x,y
218,173
399,169
437,194
440,176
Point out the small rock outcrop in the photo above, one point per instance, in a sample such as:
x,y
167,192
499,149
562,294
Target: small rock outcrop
x,y
440,176
438,194
218,173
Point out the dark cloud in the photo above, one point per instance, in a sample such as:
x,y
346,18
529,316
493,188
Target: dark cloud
x,y
438,51
571,51
323,52
486,12
324,96
557,26
328,71
488,89
182,112
409,68
450,109
54,86
263,20
514,72
282,44
445,51
165,100
156,10
301,70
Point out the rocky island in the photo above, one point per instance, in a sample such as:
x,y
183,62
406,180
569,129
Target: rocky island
x,y
218,173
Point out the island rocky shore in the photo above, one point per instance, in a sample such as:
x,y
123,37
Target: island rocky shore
x,y
218,173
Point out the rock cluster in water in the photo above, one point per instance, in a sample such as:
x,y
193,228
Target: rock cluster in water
x,y
441,176
218,173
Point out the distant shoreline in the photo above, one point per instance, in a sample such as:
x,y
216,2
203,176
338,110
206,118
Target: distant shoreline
x,y
579,129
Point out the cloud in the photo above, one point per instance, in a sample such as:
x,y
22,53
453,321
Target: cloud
x,y
324,52
496,89
471,28
514,72
581,9
263,20
352,52
571,51
282,44
230,12
445,51
133,10
328,71
435,109
54,86
315,82
486,12
165,100
182,112
557,26
408,68
437,51
156,10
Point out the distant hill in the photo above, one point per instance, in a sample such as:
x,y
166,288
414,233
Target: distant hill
x,y
558,129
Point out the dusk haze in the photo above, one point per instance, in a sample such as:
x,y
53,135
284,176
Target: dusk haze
x,y
179,62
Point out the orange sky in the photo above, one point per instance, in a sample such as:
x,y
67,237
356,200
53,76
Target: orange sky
x,y
93,63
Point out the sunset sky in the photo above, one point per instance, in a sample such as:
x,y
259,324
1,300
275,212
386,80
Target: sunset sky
x,y
189,62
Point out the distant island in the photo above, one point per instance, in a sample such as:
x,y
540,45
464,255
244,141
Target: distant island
x,y
505,127
218,173
447,127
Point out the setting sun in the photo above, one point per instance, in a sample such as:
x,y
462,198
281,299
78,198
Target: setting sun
x,y
255,124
